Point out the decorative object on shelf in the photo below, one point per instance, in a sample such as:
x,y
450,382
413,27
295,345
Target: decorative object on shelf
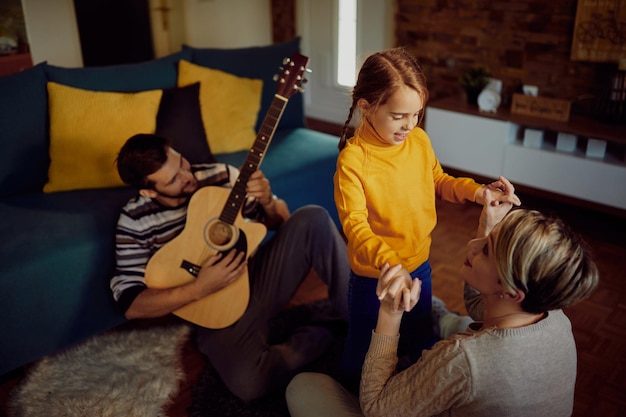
x,y
566,142
613,103
533,138
473,80
596,148
543,107
489,99
8,45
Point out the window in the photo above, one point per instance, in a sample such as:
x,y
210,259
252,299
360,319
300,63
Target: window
x,y
336,36
346,43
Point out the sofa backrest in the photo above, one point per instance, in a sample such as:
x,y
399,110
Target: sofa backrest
x,y
24,118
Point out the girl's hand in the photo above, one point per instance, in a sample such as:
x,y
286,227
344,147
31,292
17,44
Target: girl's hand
x,y
502,191
396,290
397,293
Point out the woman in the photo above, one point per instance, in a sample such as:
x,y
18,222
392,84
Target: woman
x,y
518,360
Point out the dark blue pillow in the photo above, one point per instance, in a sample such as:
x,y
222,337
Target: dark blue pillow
x,y
148,75
23,131
179,120
260,62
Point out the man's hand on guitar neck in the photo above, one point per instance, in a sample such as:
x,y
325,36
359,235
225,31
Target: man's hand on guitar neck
x,y
276,209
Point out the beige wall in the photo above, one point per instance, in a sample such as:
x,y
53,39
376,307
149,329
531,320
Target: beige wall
x,y
228,23
53,33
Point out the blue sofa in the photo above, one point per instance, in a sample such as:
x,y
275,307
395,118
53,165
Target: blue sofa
x,y
57,248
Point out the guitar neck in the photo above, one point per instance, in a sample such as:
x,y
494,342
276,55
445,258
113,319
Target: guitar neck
x,y
253,160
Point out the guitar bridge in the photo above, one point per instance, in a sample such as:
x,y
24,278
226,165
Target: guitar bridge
x,y
190,267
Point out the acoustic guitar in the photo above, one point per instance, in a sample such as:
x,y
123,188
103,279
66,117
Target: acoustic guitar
x,y
215,224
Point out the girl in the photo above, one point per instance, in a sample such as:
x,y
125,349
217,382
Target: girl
x,y
386,183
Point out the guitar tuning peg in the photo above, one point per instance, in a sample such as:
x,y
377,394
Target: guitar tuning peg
x,y
286,61
309,70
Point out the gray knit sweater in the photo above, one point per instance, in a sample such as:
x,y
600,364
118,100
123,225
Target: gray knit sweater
x,y
528,371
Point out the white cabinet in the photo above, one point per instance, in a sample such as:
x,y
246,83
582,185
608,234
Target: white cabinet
x,y
466,142
491,147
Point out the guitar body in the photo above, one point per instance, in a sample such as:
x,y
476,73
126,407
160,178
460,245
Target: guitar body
x,y
193,246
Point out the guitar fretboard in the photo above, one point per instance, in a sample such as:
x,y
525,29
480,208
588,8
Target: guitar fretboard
x,y
253,160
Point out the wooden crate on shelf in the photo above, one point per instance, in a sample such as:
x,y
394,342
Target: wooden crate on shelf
x,y
544,107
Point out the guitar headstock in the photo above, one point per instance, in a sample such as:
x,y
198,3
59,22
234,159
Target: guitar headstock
x,y
292,76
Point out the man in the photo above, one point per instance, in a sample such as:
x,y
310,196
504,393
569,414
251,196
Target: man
x,y
241,353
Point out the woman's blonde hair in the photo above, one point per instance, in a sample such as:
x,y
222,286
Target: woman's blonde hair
x,y
545,259
380,76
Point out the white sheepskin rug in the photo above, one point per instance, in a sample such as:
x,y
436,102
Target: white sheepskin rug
x,y
118,373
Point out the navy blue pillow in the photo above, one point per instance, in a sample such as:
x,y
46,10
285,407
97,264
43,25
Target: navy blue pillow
x,y
149,75
260,62
179,120
24,139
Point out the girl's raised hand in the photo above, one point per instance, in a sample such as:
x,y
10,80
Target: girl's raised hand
x,y
503,192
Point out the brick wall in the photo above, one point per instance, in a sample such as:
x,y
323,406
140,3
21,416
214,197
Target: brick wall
x,y
519,41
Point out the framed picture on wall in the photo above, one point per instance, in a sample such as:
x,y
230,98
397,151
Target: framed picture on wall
x,y
599,31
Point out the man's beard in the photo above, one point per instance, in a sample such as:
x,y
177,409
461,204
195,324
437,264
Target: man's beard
x,y
184,194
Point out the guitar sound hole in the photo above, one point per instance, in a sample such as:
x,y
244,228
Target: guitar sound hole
x,y
220,233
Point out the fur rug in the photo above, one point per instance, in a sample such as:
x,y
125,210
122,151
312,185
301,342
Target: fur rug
x,y
119,373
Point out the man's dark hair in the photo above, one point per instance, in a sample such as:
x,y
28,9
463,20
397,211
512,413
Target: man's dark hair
x,y
141,155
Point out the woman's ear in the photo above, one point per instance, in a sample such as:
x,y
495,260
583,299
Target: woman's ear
x,y
518,296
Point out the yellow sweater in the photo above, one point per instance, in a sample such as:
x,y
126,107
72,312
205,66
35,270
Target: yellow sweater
x,y
385,196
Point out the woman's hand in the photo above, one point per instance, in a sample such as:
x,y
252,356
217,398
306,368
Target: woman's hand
x,y
493,212
396,290
397,293
502,192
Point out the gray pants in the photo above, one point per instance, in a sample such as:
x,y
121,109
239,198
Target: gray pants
x,y
248,365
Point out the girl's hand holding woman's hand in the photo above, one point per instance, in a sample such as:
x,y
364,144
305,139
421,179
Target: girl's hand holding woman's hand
x,y
396,290
491,214
503,193
397,293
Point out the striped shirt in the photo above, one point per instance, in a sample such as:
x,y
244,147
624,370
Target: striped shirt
x,y
145,225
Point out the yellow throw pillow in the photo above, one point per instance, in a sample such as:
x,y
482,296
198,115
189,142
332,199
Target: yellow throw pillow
x,y
229,105
87,131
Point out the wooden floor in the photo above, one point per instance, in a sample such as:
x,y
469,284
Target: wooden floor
x,y
599,323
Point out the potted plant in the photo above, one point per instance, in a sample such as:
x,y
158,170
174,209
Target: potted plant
x,y
473,80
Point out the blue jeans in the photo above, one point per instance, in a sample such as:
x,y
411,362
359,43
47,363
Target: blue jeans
x,y
416,330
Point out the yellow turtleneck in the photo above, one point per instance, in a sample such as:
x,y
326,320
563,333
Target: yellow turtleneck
x,y
385,195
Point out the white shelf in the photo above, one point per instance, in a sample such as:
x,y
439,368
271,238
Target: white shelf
x,y
491,147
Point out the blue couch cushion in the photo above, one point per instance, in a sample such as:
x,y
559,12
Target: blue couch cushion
x,y
261,62
179,120
23,131
149,75
56,269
